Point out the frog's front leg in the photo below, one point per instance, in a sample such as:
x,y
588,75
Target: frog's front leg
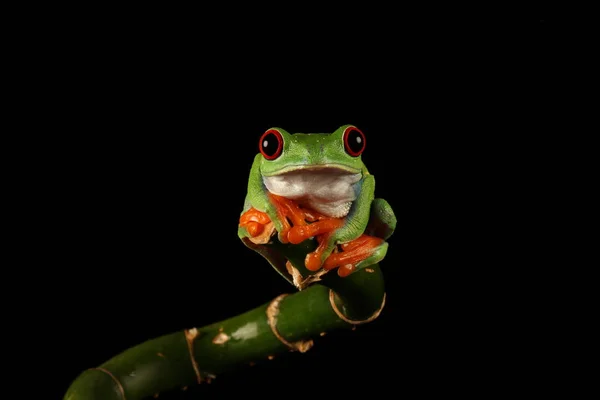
x,y
258,225
351,228
293,223
370,247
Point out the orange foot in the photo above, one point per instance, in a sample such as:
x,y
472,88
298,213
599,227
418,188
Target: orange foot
x,y
299,224
258,225
254,221
352,253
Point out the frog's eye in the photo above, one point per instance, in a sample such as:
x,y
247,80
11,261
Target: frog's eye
x,y
354,141
271,144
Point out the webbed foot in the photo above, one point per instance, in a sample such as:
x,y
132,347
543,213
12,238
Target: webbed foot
x,y
258,225
356,254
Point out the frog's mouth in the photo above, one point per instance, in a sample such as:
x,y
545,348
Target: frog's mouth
x,y
322,168
328,189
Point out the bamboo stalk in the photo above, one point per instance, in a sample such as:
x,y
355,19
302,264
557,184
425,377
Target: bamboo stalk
x,y
289,322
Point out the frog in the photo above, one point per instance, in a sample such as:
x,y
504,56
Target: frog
x,y
314,187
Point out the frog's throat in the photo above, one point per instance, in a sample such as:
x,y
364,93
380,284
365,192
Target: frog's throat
x,y
326,190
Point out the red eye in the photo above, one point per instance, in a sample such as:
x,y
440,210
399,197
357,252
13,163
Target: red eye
x,y
271,144
354,141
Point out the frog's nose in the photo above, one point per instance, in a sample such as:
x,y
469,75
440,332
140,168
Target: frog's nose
x,y
316,153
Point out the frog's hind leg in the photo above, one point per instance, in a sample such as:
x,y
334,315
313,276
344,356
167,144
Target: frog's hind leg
x,y
382,220
369,248
357,254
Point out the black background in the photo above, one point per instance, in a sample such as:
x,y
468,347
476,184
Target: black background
x,y
146,184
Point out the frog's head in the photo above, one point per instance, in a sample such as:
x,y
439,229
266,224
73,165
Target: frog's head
x,y
338,152
320,171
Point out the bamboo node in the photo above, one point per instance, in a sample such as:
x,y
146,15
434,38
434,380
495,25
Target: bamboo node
x,y
351,321
114,378
190,335
301,282
272,312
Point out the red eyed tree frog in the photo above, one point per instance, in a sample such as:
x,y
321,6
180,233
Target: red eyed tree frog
x,y
314,186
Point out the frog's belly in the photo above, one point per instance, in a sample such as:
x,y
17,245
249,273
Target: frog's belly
x,y
329,192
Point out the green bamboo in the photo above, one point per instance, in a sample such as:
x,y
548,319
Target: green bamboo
x,y
197,355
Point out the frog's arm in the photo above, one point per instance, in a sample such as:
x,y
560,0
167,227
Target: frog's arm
x,y
357,219
381,225
361,237
257,198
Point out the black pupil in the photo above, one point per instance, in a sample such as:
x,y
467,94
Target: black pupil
x,y
270,144
355,141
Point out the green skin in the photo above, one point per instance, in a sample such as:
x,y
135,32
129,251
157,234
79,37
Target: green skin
x,y
308,152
